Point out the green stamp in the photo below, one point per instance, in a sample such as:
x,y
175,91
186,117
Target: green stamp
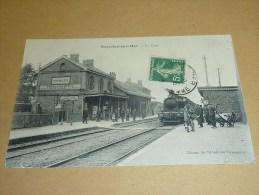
x,y
167,70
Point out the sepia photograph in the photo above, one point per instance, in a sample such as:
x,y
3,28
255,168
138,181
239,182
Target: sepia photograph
x,y
140,101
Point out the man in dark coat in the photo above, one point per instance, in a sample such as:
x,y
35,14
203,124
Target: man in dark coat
x,y
98,117
206,113
199,113
134,114
116,115
85,115
212,115
106,114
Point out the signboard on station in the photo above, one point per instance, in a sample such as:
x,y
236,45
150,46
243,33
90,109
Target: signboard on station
x,y
68,98
60,87
60,80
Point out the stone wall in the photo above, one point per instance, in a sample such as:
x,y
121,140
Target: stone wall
x,y
48,104
228,101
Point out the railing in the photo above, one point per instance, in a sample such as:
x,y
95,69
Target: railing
x,y
32,120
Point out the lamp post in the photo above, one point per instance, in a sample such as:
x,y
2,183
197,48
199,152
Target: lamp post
x,y
62,112
72,113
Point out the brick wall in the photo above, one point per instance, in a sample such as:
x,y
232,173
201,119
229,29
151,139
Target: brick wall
x,y
48,105
228,101
75,77
97,78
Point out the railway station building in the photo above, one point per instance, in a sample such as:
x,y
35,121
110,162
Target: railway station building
x,y
139,97
65,87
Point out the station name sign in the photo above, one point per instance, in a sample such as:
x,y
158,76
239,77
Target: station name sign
x,y
60,80
69,98
60,87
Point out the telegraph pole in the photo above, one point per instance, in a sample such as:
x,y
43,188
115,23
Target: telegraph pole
x,y
219,76
37,84
206,71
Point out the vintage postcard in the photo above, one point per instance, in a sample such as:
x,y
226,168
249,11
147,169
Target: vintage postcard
x,y
129,102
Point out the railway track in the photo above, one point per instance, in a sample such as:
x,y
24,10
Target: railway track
x,y
61,138
46,154
29,149
42,142
113,153
136,123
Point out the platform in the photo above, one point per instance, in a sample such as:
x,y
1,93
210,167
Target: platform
x,y
35,131
223,145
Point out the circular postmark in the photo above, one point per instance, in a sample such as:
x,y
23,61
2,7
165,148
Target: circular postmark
x,y
189,84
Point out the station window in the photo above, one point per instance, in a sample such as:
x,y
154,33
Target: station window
x,y
91,82
109,86
101,85
62,67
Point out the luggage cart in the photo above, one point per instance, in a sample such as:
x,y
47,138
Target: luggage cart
x,y
227,118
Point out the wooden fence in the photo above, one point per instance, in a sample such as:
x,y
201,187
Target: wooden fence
x,y
21,120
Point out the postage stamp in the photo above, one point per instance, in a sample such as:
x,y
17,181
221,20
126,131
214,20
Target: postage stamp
x,y
189,84
167,70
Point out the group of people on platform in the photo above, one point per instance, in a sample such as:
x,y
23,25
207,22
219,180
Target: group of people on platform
x,y
123,115
201,114
115,116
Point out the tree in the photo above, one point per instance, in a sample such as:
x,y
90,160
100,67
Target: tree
x,y
27,84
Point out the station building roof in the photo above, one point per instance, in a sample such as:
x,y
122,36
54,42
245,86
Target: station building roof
x,y
131,89
218,88
80,65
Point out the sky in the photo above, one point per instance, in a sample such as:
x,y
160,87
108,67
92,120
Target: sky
x,y
134,62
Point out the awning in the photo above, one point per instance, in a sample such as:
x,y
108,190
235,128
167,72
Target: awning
x,y
107,95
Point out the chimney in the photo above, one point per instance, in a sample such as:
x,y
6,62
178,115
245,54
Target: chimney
x,y
129,80
113,74
140,82
89,63
74,57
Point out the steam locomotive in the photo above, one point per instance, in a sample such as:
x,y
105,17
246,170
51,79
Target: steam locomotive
x,y
172,112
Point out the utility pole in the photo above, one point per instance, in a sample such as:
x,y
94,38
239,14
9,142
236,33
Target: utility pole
x,y
206,71
37,84
219,76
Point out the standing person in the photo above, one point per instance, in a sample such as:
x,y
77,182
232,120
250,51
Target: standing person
x,y
98,117
134,114
186,119
116,115
212,116
40,110
85,115
122,115
113,118
127,115
199,113
206,114
202,116
106,114
191,118
143,114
